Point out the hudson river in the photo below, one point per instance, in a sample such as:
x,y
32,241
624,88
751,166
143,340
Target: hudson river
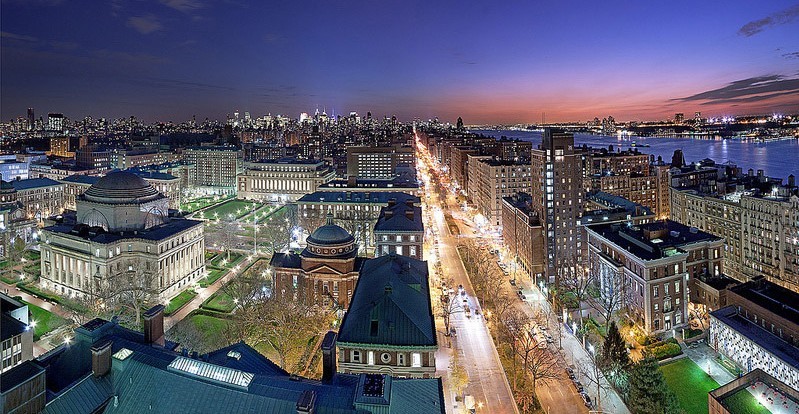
x,y
777,158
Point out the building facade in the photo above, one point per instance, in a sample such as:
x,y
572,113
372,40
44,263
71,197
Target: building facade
x,y
121,230
324,273
379,162
557,192
523,235
648,269
399,230
215,168
389,327
759,328
284,180
494,180
41,197
16,337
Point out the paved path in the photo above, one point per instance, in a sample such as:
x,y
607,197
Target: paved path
x,y
704,356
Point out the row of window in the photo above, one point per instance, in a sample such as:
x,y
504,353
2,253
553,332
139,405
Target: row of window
x,y
385,357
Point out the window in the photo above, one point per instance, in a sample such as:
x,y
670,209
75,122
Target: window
x,y
399,249
666,289
416,359
412,238
657,307
677,287
355,356
656,325
676,269
370,358
399,239
401,359
385,357
413,250
655,291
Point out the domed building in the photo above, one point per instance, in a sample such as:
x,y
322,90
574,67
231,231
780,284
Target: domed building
x,y
121,227
324,273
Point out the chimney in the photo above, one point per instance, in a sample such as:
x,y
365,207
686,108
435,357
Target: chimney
x,y
101,358
154,325
306,403
329,356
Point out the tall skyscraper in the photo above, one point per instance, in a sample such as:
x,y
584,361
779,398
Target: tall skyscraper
x,y
558,198
31,119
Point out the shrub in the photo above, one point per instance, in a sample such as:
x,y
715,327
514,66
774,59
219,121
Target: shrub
x,y
666,350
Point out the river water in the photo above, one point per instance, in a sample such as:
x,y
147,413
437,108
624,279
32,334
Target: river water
x,y
777,158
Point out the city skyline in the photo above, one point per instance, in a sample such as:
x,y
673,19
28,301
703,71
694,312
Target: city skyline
x,y
173,59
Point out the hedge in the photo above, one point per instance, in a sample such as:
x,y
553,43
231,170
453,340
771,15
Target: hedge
x,y
664,351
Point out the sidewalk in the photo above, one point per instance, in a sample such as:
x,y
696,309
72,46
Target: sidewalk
x,y
704,356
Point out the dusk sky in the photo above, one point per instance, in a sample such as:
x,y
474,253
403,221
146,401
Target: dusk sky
x,y
499,62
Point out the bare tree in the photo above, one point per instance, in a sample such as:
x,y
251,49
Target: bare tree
x,y
589,369
134,285
512,329
457,374
285,324
448,305
577,280
613,290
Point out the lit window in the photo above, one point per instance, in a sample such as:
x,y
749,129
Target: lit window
x,y
370,358
416,359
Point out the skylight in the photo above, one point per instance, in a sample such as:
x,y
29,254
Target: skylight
x,y
210,371
122,354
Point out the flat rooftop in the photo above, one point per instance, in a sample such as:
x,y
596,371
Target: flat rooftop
x,y
763,338
775,298
652,241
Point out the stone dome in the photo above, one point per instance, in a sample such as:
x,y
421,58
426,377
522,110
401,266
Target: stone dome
x,y
330,240
121,188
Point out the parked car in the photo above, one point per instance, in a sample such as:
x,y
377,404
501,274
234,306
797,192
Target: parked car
x,y
578,385
570,373
586,399
513,282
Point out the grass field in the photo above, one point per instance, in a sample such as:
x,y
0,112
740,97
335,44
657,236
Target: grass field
x,y
202,202
219,302
45,320
237,208
743,402
690,383
213,275
178,301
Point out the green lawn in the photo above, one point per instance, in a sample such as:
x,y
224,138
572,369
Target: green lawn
x,y
219,302
178,301
237,208
211,327
32,255
743,402
235,258
45,320
213,275
690,383
198,203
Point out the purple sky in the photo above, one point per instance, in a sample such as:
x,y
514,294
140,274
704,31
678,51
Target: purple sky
x,y
504,62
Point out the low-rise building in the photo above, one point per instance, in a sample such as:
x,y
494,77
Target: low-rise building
x,y
284,180
41,197
756,386
522,234
355,211
16,228
324,273
650,267
389,327
111,369
16,333
121,232
399,230
759,328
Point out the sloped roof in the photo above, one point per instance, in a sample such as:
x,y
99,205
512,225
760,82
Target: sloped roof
x,y
33,183
395,218
393,291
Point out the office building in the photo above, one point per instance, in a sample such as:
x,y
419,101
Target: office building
x,y
60,147
16,335
11,169
55,122
381,162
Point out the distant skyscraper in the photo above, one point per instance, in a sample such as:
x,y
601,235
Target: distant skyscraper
x,y
31,119
459,125
678,159
55,122
557,196
679,117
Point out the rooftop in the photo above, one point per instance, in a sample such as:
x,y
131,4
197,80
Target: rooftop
x,y
775,298
357,197
652,241
159,232
400,217
32,183
390,305
757,334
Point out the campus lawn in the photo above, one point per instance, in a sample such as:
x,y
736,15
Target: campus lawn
x,y
45,320
199,203
237,208
178,301
689,383
213,275
219,302
743,402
